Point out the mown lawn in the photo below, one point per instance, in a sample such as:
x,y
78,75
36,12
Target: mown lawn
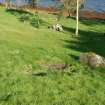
x,y
24,48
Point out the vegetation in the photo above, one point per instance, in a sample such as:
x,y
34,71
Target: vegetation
x,y
35,20
70,5
24,17
25,80
73,6
34,3
7,4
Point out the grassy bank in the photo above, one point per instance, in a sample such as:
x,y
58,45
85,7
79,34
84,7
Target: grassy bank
x,y
24,48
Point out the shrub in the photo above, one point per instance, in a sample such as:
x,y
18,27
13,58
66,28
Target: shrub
x,y
24,17
35,20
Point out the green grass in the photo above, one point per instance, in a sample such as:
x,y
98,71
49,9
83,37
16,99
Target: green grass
x,y
23,48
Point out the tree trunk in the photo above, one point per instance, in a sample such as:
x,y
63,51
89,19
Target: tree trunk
x,y
69,13
34,3
77,19
6,5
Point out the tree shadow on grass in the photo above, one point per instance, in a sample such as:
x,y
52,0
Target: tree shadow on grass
x,y
44,23
88,41
92,22
89,22
41,23
40,74
17,12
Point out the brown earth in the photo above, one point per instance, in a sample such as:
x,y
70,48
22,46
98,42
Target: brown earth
x,y
92,15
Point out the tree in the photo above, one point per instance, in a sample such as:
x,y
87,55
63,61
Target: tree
x,y
78,5
7,4
77,19
34,3
71,6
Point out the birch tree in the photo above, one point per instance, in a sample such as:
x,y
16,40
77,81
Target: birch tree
x,y
7,4
73,6
77,18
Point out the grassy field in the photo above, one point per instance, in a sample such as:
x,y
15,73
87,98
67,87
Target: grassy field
x,y
24,48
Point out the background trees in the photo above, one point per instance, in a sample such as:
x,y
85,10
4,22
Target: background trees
x,y
33,3
70,5
7,4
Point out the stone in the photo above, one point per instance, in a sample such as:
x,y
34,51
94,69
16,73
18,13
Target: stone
x,y
56,27
95,60
84,58
92,60
59,27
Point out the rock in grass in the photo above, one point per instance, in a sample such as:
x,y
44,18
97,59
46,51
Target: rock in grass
x,y
56,27
92,60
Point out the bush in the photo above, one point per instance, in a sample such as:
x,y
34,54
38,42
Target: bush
x,y
24,17
35,20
